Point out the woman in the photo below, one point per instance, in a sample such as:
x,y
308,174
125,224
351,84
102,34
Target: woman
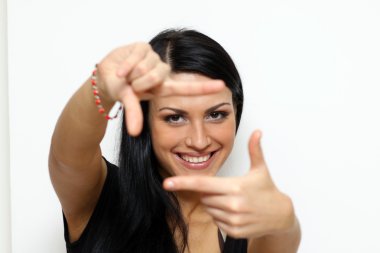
x,y
163,196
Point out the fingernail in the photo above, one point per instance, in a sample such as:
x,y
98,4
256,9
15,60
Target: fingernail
x,y
170,184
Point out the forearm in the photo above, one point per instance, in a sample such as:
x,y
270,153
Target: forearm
x,y
80,128
286,242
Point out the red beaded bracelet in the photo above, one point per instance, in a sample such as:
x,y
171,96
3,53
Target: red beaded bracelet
x,y
98,101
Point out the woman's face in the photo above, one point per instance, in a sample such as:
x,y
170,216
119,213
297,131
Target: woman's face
x,y
192,135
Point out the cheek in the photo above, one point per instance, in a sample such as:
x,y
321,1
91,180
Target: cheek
x,y
160,145
159,139
224,133
164,138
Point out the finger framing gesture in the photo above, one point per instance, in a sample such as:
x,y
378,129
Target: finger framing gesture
x,y
244,207
133,73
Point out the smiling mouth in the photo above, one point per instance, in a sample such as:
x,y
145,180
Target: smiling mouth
x,y
195,159
196,162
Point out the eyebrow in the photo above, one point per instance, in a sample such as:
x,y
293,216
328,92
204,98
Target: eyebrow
x,y
179,111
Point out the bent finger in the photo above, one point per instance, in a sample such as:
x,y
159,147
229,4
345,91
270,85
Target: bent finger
x,y
227,218
137,52
145,65
230,203
154,77
233,231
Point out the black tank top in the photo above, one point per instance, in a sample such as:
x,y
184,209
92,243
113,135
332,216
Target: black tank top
x,y
230,245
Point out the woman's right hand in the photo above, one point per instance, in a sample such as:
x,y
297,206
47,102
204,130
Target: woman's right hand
x,y
135,72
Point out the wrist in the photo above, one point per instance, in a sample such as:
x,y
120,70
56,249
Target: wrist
x,y
98,80
286,241
103,102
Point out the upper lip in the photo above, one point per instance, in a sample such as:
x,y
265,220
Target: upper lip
x,y
195,154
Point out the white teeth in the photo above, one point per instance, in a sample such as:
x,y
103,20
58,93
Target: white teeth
x,y
198,159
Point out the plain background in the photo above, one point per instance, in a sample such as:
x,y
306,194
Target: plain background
x,y
5,211
310,71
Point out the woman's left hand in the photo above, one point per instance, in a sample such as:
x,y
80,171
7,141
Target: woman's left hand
x,y
250,206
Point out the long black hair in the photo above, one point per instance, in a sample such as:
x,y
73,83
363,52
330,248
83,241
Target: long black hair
x,y
148,216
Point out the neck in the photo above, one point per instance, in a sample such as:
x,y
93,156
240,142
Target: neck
x,y
190,203
191,207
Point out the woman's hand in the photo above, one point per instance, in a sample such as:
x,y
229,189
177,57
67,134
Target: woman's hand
x,y
135,72
244,207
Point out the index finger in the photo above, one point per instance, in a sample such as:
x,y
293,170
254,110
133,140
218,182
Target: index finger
x,y
204,184
189,88
133,111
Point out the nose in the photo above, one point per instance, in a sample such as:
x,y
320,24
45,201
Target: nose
x,y
198,138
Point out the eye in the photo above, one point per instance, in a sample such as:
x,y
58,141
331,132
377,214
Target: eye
x,y
217,115
174,119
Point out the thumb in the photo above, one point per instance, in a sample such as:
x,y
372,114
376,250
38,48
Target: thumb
x,y
255,152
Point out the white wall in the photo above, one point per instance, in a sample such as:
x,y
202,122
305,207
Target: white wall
x,y
5,204
311,79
